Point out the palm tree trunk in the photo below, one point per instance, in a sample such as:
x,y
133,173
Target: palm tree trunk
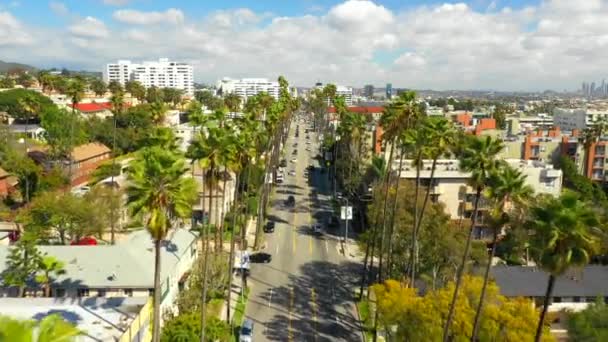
x,y
112,238
231,257
27,178
547,301
386,191
157,290
205,281
460,272
370,274
486,277
211,179
395,207
224,181
414,250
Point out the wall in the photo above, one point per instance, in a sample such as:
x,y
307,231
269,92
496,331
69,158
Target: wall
x,y
139,330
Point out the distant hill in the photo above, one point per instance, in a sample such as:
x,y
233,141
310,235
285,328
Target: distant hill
x,y
6,66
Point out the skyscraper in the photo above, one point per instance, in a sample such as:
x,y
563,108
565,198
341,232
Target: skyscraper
x,y
389,91
368,91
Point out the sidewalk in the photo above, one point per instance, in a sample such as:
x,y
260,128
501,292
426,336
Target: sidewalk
x,y
236,278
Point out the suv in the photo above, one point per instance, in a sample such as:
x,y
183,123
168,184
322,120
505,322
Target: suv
x,y
291,201
269,228
283,163
246,333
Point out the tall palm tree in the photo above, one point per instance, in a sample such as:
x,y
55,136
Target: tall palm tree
x,y
158,112
159,194
233,102
75,90
440,136
117,101
30,105
565,235
479,156
49,266
506,187
52,328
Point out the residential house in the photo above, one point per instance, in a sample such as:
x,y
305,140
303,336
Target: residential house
x,y
8,183
31,131
100,109
224,189
123,270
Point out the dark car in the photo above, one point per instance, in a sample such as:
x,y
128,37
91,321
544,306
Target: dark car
x,y
269,228
291,201
260,258
283,163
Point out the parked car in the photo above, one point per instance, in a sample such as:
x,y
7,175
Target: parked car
x,y
291,201
260,258
269,228
316,229
283,163
246,333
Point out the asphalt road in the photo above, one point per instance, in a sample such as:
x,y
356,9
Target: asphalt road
x,y
305,292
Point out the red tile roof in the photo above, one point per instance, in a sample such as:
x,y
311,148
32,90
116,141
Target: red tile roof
x,y
93,107
361,109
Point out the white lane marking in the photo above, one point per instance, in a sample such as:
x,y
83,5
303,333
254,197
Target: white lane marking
x,y
270,298
277,252
326,247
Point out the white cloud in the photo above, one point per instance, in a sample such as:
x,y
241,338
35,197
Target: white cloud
x,y
170,16
12,32
58,8
555,44
89,27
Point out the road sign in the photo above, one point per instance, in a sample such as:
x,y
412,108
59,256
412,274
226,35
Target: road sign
x,y
346,213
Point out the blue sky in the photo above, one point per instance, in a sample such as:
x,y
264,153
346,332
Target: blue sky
x,y
447,44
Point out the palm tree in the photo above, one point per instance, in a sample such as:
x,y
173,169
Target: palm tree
x,y
564,236
51,328
440,136
506,186
30,104
75,91
233,102
479,156
117,101
49,266
158,111
159,194
99,87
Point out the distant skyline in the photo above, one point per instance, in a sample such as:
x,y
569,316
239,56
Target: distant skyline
x,y
505,45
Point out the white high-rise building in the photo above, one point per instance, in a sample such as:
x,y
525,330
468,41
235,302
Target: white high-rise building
x,y
162,74
346,92
248,87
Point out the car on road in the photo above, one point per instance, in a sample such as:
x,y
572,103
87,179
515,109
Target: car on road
x,y
246,333
316,229
292,173
291,201
260,258
308,149
283,163
269,228
293,160
295,145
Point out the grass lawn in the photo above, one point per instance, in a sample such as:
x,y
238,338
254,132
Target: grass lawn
x,y
239,314
366,319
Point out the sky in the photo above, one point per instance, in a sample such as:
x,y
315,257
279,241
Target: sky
x,y
519,45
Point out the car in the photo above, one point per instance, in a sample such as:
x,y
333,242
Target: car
x,y
283,163
260,258
246,333
291,201
307,137
269,228
308,149
292,173
293,160
316,229
295,145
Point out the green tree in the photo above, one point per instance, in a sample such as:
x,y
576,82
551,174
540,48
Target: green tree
x,y
22,263
26,80
11,102
172,95
115,87
159,194
590,324
99,87
75,91
48,267
63,131
185,327
506,187
7,83
233,102
51,328
136,89
566,234
479,157
154,94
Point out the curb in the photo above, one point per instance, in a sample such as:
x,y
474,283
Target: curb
x,y
360,324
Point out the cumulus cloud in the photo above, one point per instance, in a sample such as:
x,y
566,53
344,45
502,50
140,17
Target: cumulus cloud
x,y
12,31
89,27
170,16
116,2
555,44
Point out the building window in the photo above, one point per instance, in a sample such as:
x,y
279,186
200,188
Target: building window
x,y
576,299
83,292
59,293
101,293
128,292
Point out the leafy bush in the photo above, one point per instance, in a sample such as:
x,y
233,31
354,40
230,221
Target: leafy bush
x,y
187,327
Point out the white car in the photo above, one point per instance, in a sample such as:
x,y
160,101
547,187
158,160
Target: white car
x,y
292,173
293,160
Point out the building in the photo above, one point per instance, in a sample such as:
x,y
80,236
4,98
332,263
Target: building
x,y
569,119
118,271
162,74
368,91
450,185
100,110
8,183
247,87
572,291
32,131
518,125
347,93
389,91
101,319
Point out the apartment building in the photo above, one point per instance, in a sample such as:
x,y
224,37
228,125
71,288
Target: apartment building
x,y
450,185
580,118
248,87
162,74
346,92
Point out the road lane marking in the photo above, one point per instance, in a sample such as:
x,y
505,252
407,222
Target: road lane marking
x,y
326,247
277,250
270,298
313,297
